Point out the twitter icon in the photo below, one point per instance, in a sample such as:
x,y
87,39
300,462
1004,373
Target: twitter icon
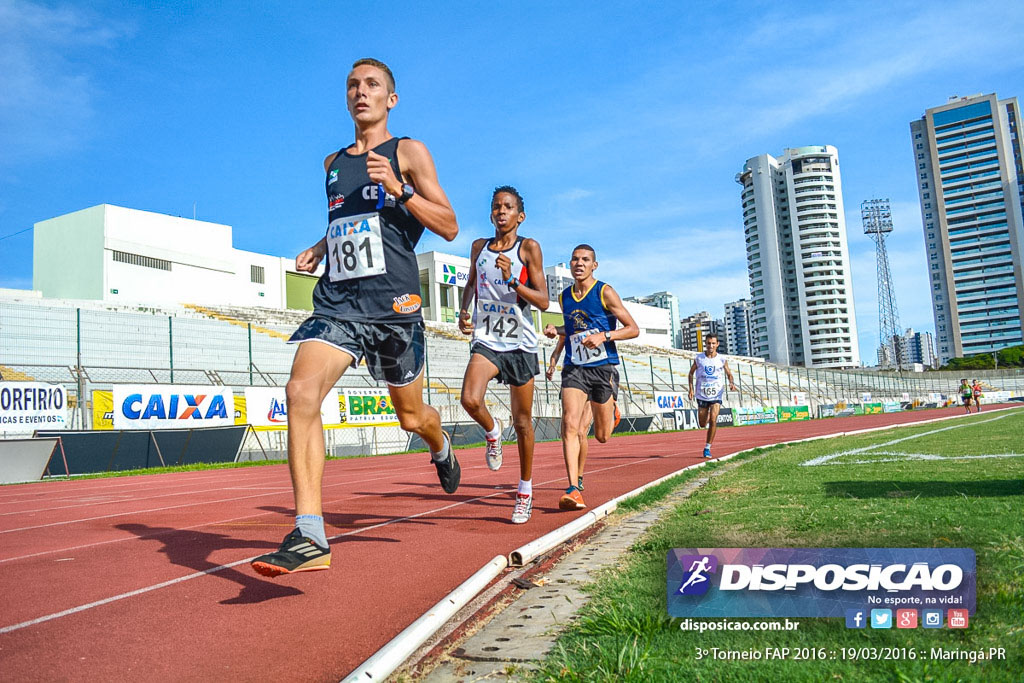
x,y
881,618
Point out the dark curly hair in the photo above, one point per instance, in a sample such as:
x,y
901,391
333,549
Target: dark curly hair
x,y
512,191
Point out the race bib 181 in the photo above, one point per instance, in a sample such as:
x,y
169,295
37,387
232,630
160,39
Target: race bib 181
x,y
355,247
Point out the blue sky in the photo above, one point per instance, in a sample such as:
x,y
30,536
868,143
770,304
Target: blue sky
x,y
623,124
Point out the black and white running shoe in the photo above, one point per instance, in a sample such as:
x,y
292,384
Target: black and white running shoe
x,y
296,554
448,470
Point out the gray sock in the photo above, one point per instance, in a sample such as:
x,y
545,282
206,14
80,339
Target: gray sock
x,y
445,450
312,527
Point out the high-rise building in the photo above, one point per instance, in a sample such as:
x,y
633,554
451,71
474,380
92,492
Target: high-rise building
x,y
558,278
968,159
737,328
695,329
920,348
668,301
798,260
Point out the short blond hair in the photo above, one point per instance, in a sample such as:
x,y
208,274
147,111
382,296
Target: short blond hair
x,y
370,61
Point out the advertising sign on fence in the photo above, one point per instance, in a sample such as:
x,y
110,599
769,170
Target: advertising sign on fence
x,y
172,406
755,416
872,408
827,410
670,400
102,409
793,413
686,418
798,398
367,407
891,407
268,407
28,406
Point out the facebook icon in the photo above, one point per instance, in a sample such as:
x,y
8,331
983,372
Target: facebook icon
x,y
856,618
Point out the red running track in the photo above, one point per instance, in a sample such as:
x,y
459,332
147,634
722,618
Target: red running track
x,y
148,576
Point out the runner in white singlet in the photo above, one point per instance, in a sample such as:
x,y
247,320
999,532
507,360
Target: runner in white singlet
x,y
711,371
506,276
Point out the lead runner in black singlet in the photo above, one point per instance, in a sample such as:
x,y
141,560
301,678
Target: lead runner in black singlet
x,y
381,192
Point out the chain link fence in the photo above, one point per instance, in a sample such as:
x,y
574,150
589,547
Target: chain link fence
x,y
87,349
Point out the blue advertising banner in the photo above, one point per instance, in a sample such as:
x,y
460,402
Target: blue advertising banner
x,y
816,582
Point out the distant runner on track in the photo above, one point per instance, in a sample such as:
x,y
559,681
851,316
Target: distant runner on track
x,y
966,394
381,193
508,272
711,370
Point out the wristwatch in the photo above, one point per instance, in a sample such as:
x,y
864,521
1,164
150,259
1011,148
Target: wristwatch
x,y
607,336
513,283
407,192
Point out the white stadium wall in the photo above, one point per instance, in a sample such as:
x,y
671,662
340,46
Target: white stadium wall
x,y
115,254
67,255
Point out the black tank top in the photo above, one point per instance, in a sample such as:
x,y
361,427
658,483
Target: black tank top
x,y
371,273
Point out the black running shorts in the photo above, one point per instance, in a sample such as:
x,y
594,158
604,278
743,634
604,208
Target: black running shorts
x,y
394,352
701,403
599,383
516,367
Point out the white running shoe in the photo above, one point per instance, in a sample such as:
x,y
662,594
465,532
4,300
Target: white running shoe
x,y
493,454
523,508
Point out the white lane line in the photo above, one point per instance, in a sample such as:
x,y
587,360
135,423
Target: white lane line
x,y
219,568
924,456
821,460
252,515
174,507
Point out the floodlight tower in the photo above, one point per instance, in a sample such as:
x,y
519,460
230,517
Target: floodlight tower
x,y
876,216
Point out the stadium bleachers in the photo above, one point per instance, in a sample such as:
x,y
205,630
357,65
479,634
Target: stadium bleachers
x,y
93,345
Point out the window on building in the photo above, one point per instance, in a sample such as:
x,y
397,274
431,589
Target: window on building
x,y
256,274
139,260
927,195
920,165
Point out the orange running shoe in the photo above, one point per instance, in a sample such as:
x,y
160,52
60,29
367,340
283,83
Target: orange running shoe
x,y
572,500
618,415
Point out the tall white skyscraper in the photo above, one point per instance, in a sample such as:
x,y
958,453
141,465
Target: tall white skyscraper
x,y
798,260
971,186
738,338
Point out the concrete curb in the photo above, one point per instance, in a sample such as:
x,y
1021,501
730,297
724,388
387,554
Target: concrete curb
x,y
388,658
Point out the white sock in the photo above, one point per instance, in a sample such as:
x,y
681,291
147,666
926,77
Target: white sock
x,y
526,487
707,445
495,432
445,450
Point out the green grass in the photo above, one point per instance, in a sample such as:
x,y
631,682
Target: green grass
x,y
625,634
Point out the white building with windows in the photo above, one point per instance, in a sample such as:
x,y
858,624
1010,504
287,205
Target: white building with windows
x,y
971,185
798,260
738,339
110,253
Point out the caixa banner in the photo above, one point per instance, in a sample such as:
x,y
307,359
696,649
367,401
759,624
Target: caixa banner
x,y
172,406
816,582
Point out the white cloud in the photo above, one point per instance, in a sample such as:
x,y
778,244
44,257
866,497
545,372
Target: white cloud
x,y
46,94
